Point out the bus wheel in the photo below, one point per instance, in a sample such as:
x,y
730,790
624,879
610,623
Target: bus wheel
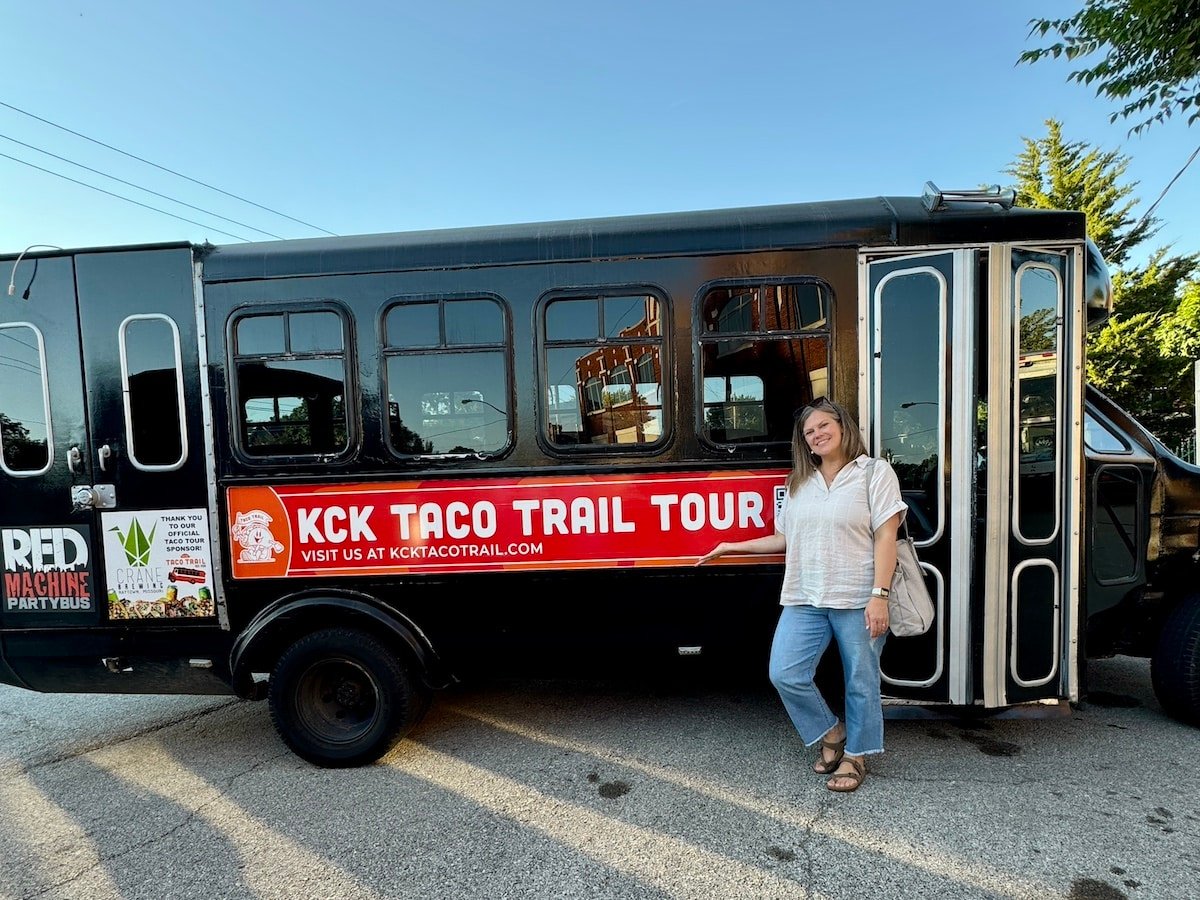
x,y
1175,666
339,697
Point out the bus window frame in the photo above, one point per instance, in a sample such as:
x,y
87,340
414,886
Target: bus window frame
x,y
1139,503
352,405
126,404
505,348
1021,422
664,341
44,374
700,338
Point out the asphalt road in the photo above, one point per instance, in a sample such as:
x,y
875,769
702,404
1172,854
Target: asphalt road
x,y
535,789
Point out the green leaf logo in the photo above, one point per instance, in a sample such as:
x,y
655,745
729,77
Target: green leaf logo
x,y
136,543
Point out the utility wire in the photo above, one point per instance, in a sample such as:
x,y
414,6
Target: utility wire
x,y
170,171
127,199
72,162
1171,182
1159,200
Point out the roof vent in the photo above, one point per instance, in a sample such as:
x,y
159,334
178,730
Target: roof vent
x,y
935,198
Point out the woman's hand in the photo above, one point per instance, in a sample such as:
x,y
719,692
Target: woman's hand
x,y
720,550
769,543
876,615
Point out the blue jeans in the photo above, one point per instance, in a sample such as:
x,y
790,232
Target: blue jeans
x,y
801,637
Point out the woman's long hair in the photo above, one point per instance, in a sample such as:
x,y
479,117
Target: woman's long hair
x,y
804,462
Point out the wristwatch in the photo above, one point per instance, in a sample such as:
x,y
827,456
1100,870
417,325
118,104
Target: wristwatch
x,y
880,592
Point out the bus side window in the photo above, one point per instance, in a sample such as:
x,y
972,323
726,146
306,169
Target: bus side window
x,y
26,445
291,383
152,375
446,365
602,370
764,352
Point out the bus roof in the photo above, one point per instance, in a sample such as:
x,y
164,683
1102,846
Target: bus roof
x,y
875,221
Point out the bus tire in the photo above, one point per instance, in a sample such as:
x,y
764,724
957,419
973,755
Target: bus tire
x,y
340,697
1175,665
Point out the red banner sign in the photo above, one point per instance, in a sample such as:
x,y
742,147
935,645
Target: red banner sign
x,y
495,524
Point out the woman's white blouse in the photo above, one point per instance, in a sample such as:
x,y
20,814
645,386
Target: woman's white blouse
x,y
830,555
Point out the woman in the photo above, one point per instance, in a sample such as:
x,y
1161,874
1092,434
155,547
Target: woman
x,y
837,570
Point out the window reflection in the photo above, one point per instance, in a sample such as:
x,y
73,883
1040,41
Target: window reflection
x,y
1098,437
413,325
292,408
447,377
24,402
153,375
447,403
1037,391
764,353
1114,544
291,395
603,371
911,323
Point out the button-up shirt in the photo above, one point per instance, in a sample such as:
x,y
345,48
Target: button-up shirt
x,y
830,555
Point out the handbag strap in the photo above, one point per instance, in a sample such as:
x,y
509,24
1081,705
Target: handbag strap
x,y
870,516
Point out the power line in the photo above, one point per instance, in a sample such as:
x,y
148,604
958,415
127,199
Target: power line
x,y
126,199
1171,182
170,171
1146,217
72,162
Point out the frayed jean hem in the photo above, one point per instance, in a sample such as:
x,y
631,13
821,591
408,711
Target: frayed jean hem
x,y
822,736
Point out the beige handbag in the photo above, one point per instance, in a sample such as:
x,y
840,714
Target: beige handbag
x,y
910,608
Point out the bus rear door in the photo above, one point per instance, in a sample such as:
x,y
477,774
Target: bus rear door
x,y
47,543
109,580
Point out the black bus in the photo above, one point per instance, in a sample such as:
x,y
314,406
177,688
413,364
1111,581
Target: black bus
x,y
338,474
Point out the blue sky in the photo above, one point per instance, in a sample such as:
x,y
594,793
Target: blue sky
x,y
371,117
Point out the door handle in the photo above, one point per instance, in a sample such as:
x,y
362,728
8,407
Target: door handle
x,y
74,457
104,454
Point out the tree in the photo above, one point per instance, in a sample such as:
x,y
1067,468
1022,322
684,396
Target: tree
x,y
1055,174
1151,49
1143,355
21,452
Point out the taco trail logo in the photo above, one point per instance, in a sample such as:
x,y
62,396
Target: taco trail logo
x,y
252,531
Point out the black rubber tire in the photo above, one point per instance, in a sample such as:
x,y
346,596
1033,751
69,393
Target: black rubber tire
x,y
1175,665
340,697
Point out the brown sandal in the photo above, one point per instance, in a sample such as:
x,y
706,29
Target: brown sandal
x,y
837,748
857,776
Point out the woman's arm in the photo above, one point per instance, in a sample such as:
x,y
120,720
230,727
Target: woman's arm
x,y
885,551
876,613
771,543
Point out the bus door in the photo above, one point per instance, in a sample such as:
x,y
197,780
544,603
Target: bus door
x,y
1034,461
47,545
917,393
977,405
104,525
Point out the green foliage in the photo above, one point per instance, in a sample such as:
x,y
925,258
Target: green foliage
x,y
1156,287
1151,61
1037,331
21,452
1180,336
1143,356
1055,174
